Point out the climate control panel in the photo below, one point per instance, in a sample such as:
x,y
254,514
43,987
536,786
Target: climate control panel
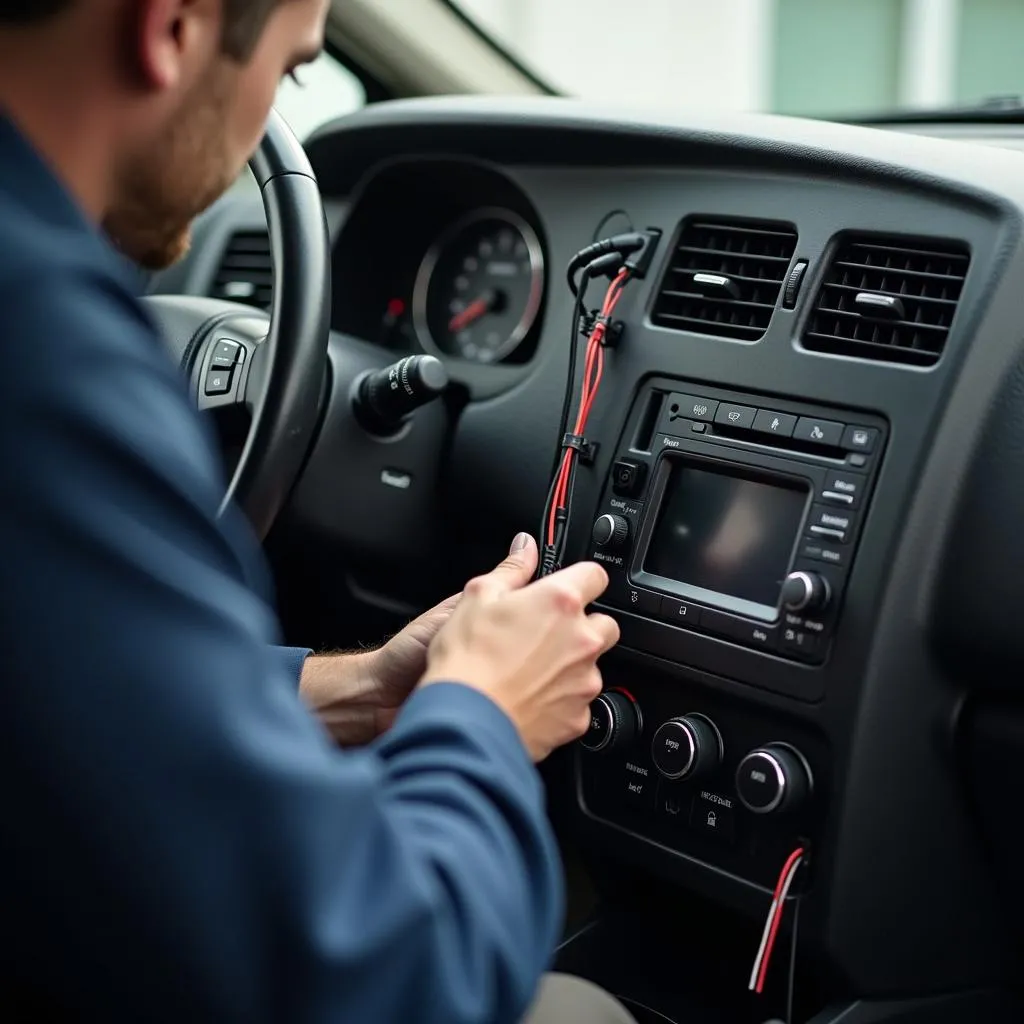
x,y
688,770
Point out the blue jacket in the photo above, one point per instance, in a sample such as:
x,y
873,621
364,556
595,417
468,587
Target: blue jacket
x,y
180,840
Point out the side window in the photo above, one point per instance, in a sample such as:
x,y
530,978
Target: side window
x,y
989,49
325,90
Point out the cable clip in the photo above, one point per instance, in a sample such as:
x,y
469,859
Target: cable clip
x,y
587,449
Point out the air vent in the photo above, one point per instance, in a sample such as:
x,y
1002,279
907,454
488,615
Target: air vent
x,y
889,299
246,272
724,277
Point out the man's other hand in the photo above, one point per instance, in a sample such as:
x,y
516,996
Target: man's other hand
x,y
358,695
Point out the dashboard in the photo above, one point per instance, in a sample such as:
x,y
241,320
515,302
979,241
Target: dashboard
x,y
806,484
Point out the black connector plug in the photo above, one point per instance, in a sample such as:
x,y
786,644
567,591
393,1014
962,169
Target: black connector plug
x,y
640,261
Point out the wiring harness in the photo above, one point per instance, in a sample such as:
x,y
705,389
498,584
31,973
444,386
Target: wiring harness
x,y
621,258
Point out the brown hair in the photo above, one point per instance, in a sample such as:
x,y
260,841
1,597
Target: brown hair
x,y
244,20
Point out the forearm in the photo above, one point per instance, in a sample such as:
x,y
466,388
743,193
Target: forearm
x,y
343,691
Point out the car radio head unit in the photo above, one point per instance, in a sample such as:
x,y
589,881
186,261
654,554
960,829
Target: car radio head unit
x,y
722,535
735,518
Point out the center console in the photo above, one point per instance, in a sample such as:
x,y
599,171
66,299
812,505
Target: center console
x,y
729,523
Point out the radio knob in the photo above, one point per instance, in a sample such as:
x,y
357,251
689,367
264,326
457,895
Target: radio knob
x,y
610,531
773,779
805,592
686,747
615,722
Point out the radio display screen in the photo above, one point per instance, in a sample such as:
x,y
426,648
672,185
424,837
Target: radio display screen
x,y
726,534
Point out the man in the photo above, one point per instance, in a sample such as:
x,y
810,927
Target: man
x,y
181,840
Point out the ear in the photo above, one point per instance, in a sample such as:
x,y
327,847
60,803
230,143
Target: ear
x,y
174,37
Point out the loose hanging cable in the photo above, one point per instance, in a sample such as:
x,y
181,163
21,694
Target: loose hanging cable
x,y
774,919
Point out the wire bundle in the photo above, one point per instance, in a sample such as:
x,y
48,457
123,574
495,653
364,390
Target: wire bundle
x,y
557,512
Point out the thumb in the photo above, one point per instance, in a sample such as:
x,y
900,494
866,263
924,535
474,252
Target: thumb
x,y
515,571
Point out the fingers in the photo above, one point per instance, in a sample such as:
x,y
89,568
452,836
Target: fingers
x,y
512,574
606,628
586,581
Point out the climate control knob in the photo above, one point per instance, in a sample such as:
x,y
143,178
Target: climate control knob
x,y
805,592
610,531
773,779
615,722
686,747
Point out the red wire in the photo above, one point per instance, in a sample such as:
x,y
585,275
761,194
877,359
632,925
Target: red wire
x,y
779,910
593,370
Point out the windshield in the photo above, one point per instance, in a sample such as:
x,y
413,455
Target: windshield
x,y
321,92
815,57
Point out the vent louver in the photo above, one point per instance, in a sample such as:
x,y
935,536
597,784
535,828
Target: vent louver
x,y
724,277
888,299
246,271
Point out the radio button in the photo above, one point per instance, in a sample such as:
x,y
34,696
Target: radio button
x,y
823,553
799,643
823,432
689,407
843,489
778,423
805,591
744,631
642,601
610,531
860,439
739,416
679,612
841,522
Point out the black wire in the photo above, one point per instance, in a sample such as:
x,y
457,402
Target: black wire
x,y
792,964
571,484
607,219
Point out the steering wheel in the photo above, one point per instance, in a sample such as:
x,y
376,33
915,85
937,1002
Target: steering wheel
x,y
273,367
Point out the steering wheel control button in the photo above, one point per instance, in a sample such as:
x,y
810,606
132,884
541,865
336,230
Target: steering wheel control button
x,y
772,779
686,747
778,423
819,432
741,417
805,591
218,382
628,477
614,723
860,439
843,489
610,531
225,355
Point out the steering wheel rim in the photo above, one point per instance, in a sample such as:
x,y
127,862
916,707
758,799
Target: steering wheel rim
x,y
280,377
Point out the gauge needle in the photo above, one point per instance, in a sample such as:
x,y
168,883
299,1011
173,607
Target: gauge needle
x,y
471,313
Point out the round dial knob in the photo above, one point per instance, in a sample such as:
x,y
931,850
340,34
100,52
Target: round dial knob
x,y
686,747
386,398
614,723
805,592
772,779
610,531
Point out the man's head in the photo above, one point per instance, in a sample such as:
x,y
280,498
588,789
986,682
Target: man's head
x,y
181,88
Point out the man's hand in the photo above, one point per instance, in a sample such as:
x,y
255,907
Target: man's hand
x,y
532,649
357,696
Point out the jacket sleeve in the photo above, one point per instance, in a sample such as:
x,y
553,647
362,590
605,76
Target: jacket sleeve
x,y
181,841
293,660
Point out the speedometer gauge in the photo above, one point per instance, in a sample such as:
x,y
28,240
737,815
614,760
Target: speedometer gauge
x,y
479,288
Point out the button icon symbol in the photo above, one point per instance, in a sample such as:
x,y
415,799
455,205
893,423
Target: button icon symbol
x,y
700,410
734,416
671,806
817,433
634,597
712,819
775,423
860,438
